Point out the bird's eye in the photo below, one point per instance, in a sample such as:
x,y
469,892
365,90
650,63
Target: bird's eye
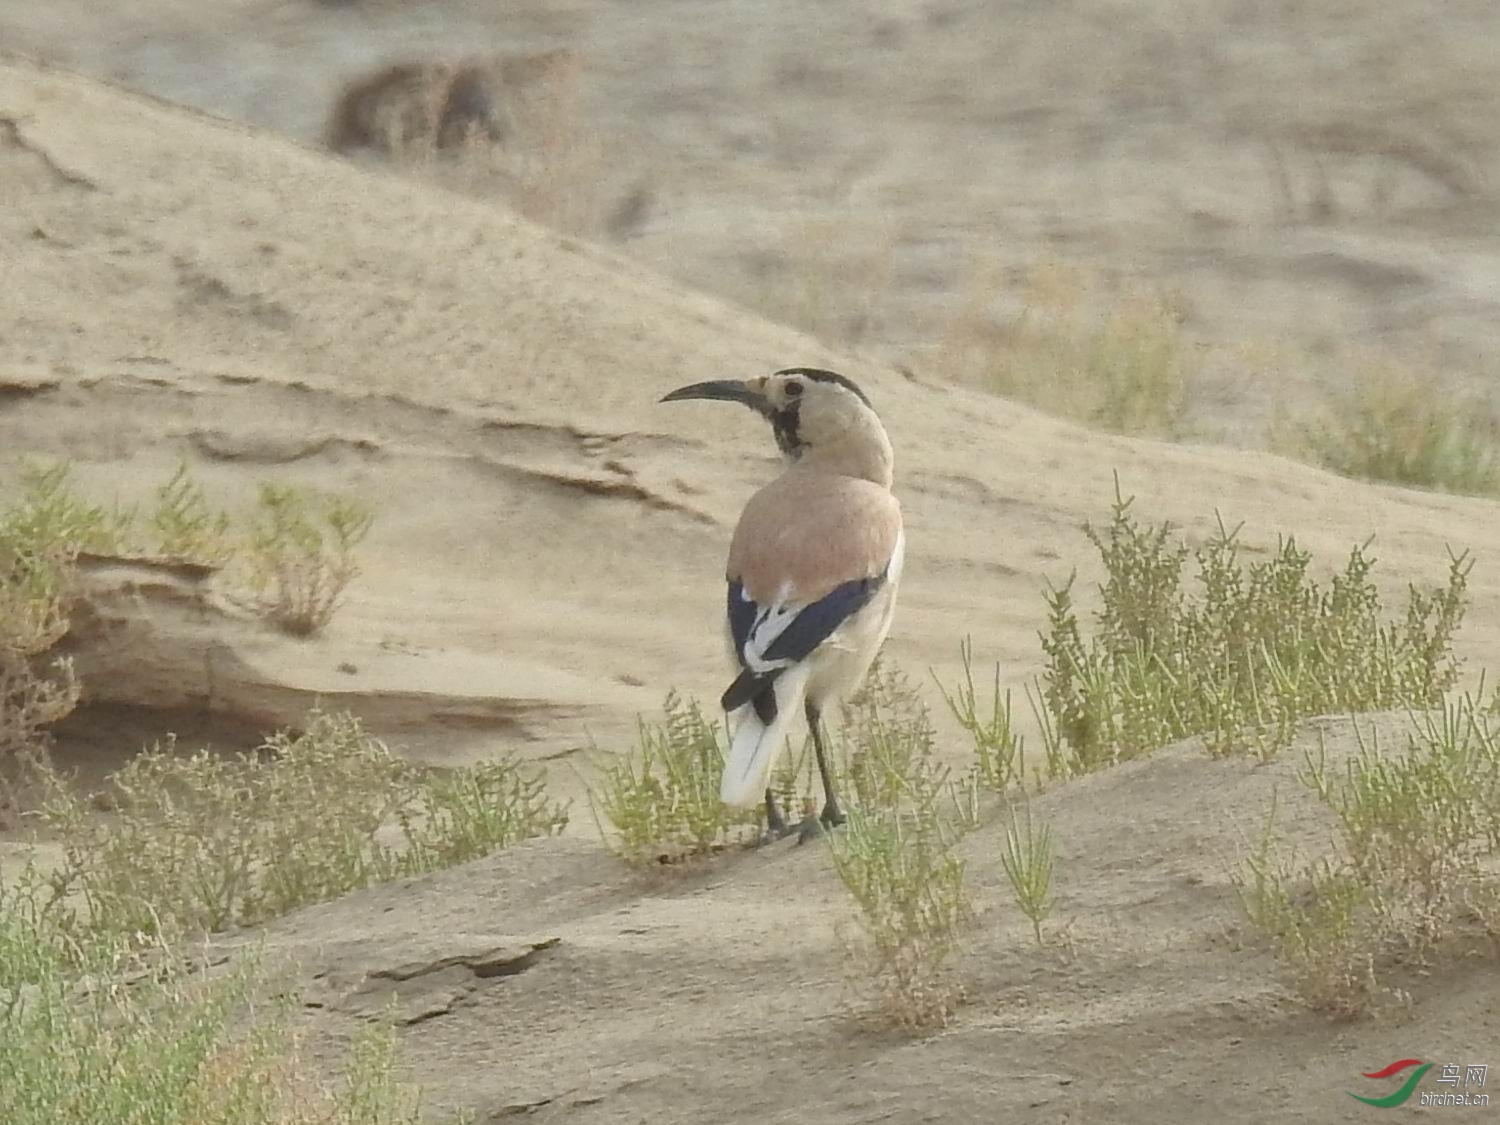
x,y
793,390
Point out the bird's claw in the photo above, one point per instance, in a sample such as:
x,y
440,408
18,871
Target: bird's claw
x,y
812,824
815,826
779,831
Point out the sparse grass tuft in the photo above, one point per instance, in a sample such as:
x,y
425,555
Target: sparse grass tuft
x,y
51,519
908,887
664,804
184,525
1395,426
462,814
1027,861
887,741
40,536
1109,356
301,562
300,565
1325,933
1419,836
204,841
895,855
96,1032
33,618
999,749
1258,649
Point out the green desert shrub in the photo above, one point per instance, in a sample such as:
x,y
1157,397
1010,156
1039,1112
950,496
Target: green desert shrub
x,y
203,841
1415,863
97,1029
186,527
302,556
1238,660
999,748
1399,425
41,535
662,802
900,869
896,855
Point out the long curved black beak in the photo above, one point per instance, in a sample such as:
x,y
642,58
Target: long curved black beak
x,y
722,390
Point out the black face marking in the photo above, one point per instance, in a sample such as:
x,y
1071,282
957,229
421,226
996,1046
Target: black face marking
x,y
784,424
818,375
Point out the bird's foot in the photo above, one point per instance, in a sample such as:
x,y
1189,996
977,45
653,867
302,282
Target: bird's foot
x,y
777,830
810,829
777,827
814,826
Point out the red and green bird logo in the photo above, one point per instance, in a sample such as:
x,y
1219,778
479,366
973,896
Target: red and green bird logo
x,y
1406,1087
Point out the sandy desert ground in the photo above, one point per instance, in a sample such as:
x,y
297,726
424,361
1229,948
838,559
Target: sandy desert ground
x,y
546,561
1304,178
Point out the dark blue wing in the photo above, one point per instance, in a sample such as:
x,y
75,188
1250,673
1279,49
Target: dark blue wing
x,y
816,623
742,613
812,625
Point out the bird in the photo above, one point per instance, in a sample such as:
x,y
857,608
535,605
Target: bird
x,y
814,564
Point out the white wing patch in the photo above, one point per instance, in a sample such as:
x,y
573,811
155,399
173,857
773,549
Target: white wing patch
x,y
898,559
770,622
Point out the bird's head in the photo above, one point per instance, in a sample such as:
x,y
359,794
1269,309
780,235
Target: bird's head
x,y
817,416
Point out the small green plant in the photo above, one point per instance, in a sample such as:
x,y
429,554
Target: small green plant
x,y
33,942
999,749
1027,861
40,537
1392,426
316,798
96,1030
895,855
1256,650
185,527
664,803
204,841
1326,933
33,618
459,815
887,741
1419,825
51,521
302,562
907,884
1419,834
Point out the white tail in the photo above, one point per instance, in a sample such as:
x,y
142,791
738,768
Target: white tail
x,y
755,748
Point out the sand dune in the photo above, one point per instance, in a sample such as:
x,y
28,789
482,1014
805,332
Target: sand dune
x,y
564,990
546,564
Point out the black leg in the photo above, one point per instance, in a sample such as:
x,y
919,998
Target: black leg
x,y
776,826
774,820
832,816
